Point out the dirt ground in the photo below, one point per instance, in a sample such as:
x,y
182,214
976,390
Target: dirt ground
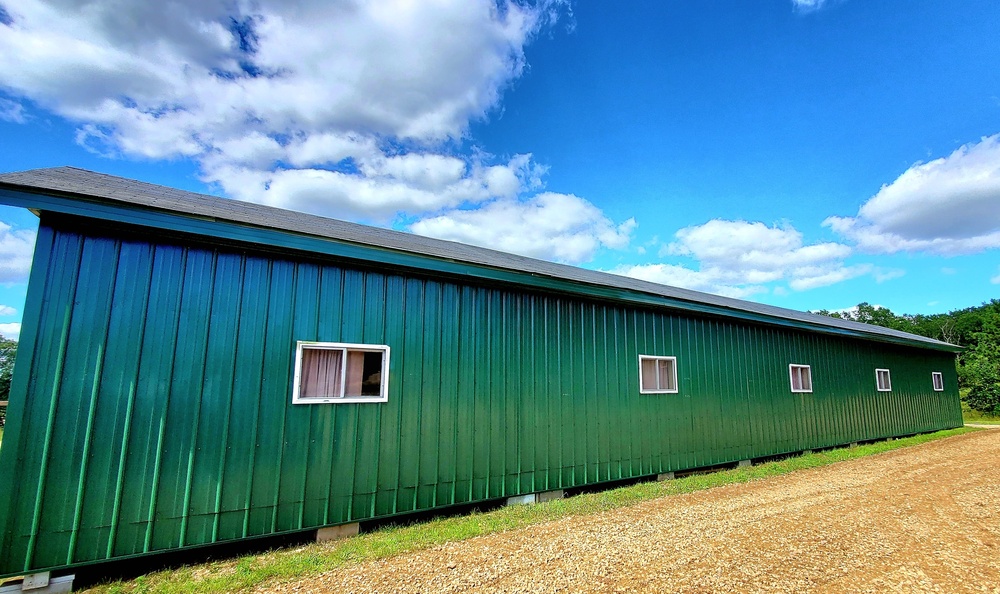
x,y
919,519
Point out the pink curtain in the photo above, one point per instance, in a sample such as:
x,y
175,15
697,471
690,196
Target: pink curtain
x,y
321,371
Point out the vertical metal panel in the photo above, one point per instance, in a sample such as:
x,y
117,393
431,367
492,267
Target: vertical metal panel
x,y
157,397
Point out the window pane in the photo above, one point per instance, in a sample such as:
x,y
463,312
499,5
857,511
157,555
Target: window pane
x,y
796,378
666,375
649,380
663,374
321,370
807,380
364,373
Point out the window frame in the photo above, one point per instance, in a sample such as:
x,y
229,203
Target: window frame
x,y
791,378
673,365
888,380
937,378
345,347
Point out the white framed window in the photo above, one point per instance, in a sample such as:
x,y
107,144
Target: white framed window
x,y
882,381
801,378
937,380
657,375
337,372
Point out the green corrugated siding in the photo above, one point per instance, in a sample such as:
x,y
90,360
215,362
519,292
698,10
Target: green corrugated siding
x,y
154,410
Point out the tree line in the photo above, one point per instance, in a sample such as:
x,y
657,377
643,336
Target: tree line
x,y
977,329
8,351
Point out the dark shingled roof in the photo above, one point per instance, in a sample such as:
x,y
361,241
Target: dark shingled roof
x,y
80,182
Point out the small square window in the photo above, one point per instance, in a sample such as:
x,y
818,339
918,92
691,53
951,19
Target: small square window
x,y
657,375
882,381
937,379
334,372
801,378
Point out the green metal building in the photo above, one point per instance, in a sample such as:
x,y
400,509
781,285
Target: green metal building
x,y
194,370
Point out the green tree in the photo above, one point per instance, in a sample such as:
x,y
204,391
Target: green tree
x,y
982,365
8,352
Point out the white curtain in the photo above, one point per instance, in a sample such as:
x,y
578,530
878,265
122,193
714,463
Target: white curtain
x,y
321,372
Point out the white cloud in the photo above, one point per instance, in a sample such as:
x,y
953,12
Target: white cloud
x,y
808,5
11,111
708,281
740,258
553,226
948,206
339,108
11,330
16,249
996,279
6,310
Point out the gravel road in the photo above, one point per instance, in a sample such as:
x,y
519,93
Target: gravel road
x,y
919,519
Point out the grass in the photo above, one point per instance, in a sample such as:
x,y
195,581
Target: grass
x,y
310,560
974,416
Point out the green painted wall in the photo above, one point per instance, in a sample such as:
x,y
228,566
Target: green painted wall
x,y
151,406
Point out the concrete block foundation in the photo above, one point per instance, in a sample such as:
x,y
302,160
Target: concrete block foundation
x,y
337,532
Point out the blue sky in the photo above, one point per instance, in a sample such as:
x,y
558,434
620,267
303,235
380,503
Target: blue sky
x,y
809,154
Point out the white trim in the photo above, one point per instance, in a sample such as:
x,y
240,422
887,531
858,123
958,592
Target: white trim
x,y
345,347
937,375
791,378
673,365
888,381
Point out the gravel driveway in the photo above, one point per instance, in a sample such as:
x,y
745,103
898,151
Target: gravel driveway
x,y
920,519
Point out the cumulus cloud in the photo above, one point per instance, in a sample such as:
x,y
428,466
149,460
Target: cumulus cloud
x,y
352,109
740,259
6,310
707,280
996,279
11,330
550,225
948,206
16,248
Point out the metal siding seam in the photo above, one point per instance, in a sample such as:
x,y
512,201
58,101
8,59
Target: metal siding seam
x,y
430,366
322,422
265,291
496,362
328,327
479,439
81,484
601,426
196,417
306,297
391,427
161,436
89,310
228,395
127,426
447,458
53,399
135,270
51,418
409,371
465,402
